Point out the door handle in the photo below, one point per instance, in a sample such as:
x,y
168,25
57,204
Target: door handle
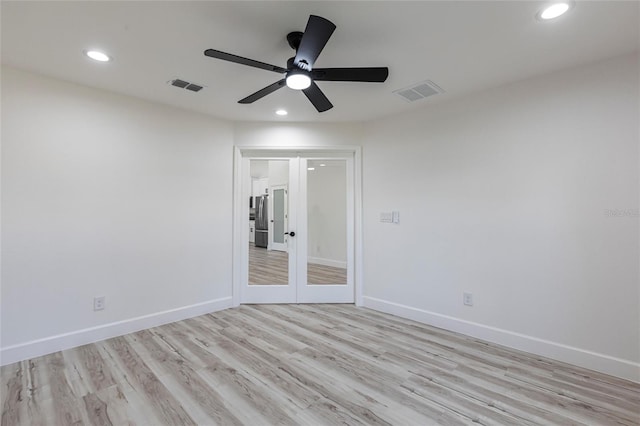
x,y
291,234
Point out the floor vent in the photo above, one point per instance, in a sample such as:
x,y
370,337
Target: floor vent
x,y
419,91
185,85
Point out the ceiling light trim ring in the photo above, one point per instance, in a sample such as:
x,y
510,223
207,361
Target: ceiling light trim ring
x,y
97,55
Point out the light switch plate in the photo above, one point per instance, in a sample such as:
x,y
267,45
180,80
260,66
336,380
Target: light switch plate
x,y
386,217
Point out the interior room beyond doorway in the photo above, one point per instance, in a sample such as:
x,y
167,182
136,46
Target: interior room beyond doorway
x,y
268,222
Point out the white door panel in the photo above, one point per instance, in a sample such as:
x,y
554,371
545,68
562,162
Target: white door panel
x,y
317,204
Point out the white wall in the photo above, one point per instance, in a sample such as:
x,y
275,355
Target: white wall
x,y
106,195
327,214
297,134
503,195
278,172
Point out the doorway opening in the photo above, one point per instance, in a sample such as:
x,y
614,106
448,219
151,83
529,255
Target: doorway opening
x,y
302,243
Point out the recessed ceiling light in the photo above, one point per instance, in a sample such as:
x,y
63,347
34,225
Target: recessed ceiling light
x,y
97,55
311,168
554,10
322,165
281,112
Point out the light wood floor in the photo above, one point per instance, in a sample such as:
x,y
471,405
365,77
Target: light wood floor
x,y
307,365
272,267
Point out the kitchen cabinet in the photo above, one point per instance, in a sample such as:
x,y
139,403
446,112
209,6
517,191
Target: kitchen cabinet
x,y
259,186
252,231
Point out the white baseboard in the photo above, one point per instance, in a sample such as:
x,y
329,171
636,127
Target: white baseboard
x,y
60,342
327,262
592,360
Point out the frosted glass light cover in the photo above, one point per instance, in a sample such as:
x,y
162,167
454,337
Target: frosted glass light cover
x,y
298,81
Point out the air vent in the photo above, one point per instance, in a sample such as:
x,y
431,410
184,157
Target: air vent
x,y
419,91
185,85
179,83
194,87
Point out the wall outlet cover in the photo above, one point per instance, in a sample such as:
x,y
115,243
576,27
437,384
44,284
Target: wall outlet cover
x,y
98,303
467,299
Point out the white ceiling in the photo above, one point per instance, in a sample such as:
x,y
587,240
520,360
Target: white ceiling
x,y
462,46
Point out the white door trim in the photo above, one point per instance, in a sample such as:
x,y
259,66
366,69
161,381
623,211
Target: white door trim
x,y
241,184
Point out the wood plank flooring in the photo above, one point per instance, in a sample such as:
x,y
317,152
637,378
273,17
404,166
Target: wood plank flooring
x,y
307,365
272,268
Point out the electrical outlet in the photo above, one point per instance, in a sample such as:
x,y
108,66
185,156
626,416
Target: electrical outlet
x,y
98,303
467,299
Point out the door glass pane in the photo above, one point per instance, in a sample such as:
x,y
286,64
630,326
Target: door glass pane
x,y
278,215
327,222
268,259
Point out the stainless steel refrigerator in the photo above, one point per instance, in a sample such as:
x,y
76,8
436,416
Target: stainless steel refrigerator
x,y
262,221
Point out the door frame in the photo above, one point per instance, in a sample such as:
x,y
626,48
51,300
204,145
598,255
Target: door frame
x,y
240,233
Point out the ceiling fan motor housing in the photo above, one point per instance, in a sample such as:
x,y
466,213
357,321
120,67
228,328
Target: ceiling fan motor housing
x,y
294,38
299,73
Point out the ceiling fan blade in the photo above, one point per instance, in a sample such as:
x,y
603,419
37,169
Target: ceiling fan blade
x,y
370,75
315,37
317,98
212,53
263,92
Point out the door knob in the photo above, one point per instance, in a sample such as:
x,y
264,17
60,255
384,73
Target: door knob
x,y
291,234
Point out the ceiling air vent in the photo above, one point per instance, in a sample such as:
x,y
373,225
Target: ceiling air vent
x,y
419,91
185,85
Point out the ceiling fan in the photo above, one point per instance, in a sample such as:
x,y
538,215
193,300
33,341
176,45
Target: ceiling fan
x,y
299,73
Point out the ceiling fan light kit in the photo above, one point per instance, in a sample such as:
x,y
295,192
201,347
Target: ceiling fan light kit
x,y
300,74
298,79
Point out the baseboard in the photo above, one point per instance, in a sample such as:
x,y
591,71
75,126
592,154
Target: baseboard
x,y
592,360
60,342
327,262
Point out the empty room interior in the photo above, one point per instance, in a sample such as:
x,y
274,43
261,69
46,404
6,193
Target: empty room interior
x,y
320,213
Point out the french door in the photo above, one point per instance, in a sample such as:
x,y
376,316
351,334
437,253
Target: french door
x,y
310,215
